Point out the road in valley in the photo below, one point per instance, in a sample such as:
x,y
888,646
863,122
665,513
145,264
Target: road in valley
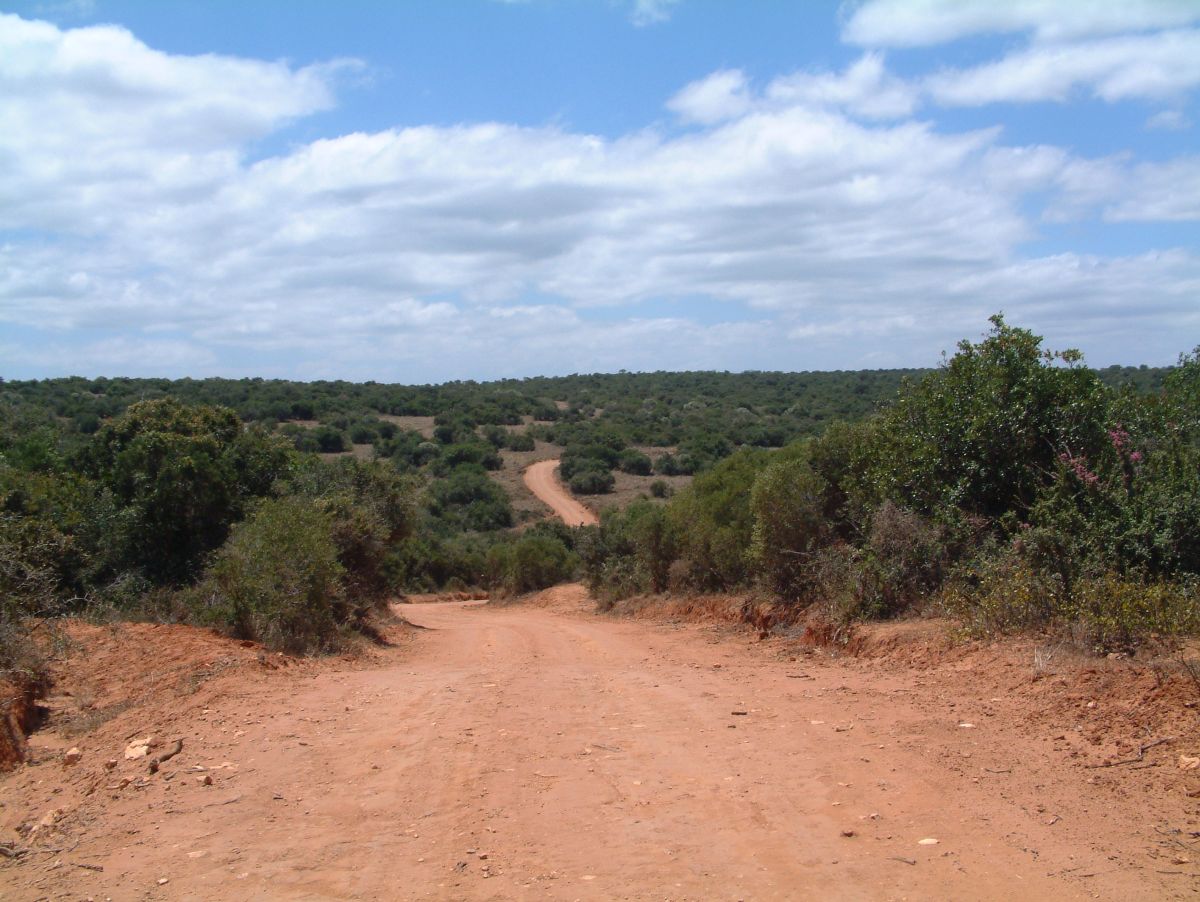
x,y
542,479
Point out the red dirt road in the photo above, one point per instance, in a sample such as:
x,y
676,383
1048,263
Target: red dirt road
x,y
541,752
542,480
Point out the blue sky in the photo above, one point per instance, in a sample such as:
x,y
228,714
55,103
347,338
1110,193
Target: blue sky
x,y
426,191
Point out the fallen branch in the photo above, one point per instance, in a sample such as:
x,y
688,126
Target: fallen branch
x,y
1142,749
175,749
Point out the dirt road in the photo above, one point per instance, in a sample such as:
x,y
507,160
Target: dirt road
x,y
531,753
543,482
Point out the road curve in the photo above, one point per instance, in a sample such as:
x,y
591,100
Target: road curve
x,y
542,480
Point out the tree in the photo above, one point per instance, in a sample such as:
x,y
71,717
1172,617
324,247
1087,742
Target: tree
x,y
788,501
181,476
984,433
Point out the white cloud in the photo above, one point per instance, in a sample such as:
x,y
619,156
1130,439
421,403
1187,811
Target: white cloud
x,y
1169,120
864,89
1156,66
1146,192
650,12
93,121
1134,49
491,249
722,95
923,23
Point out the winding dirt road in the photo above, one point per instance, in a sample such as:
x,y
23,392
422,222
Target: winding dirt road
x,y
542,480
541,752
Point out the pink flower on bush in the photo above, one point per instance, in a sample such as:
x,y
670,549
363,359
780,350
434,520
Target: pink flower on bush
x,y
1078,465
1135,456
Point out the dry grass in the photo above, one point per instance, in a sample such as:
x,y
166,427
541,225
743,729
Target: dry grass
x,y
423,425
630,488
362,452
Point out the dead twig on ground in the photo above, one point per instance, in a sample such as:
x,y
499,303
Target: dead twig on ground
x,y
1142,749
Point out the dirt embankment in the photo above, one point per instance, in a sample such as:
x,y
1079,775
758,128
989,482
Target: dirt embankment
x,y
542,479
539,751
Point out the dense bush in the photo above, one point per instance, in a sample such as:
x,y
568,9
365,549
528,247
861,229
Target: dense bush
x,y
371,510
587,458
591,482
181,477
1012,484
984,433
713,521
531,562
635,462
519,441
789,526
329,440
469,499
630,552
277,580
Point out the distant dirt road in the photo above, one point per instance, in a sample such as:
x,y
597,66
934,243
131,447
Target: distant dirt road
x,y
543,482
539,752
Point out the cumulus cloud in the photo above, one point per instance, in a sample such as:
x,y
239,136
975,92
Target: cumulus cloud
x,y
1138,49
864,89
94,122
722,95
1156,66
923,23
1124,192
812,211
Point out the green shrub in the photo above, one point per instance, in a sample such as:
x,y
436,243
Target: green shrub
x,y
364,432
592,482
531,562
1112,612
519,441
789,528
635,462
900,565
670,465
469,499
713,522
181,476
330,440
1002,594
661,489
586,458
371,509
277,579
984,433
471,452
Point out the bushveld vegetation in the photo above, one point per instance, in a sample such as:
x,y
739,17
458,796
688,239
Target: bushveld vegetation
x,y
1011,486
